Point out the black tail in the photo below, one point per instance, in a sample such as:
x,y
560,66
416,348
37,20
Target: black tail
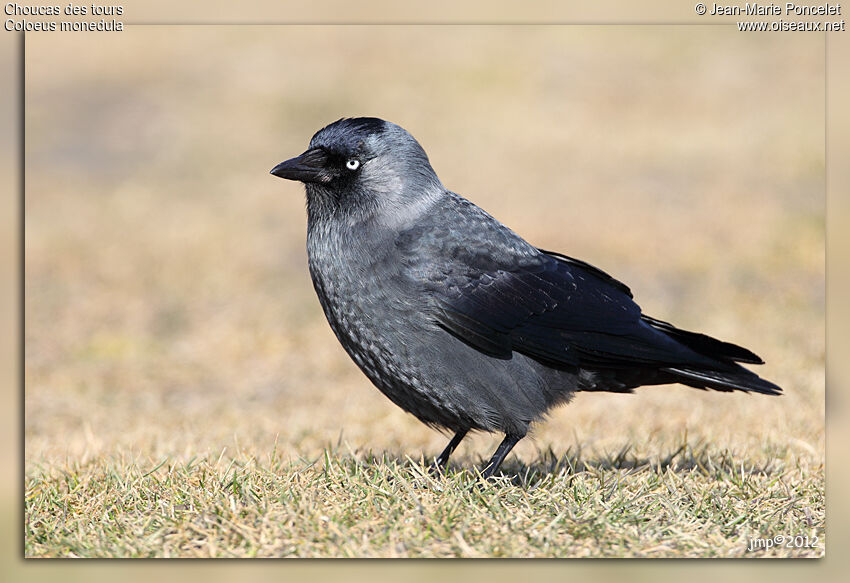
x,y
727,376
736,380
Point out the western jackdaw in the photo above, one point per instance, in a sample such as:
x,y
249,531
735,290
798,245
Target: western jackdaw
x,y
460,321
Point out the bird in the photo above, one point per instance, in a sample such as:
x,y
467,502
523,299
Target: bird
x,y
460,321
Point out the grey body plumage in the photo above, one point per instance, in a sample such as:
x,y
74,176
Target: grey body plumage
x,y
457,319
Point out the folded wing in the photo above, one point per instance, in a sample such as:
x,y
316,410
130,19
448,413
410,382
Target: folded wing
x,y
568,314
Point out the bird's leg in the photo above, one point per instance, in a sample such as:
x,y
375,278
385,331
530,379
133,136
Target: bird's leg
x,y
442,459
501,452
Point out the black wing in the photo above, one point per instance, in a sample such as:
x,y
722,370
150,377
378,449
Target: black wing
x,y
492,290
557,310
566,313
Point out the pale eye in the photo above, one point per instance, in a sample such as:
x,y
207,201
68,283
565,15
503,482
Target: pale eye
x,y
352,164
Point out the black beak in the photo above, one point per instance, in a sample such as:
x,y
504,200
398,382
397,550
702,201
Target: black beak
x,y
311,166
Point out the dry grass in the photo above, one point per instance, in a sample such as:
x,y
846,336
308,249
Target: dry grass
x,y
170,319
690,503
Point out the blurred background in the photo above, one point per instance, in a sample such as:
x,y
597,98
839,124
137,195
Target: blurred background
x,y
169,311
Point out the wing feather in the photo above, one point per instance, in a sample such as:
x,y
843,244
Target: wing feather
x,y
560,312
492,290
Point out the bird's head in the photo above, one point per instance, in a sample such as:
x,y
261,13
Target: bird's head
x,y
364,167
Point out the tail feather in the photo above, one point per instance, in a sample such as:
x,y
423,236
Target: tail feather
x,y
727,375
736,380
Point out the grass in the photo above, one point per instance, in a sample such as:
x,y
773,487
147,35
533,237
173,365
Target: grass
x,y
692,501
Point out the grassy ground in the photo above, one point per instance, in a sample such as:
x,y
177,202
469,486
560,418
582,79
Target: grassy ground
x,y
184,396
699,502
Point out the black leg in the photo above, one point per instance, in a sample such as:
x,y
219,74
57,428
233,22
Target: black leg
x,y
501,452
443,458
